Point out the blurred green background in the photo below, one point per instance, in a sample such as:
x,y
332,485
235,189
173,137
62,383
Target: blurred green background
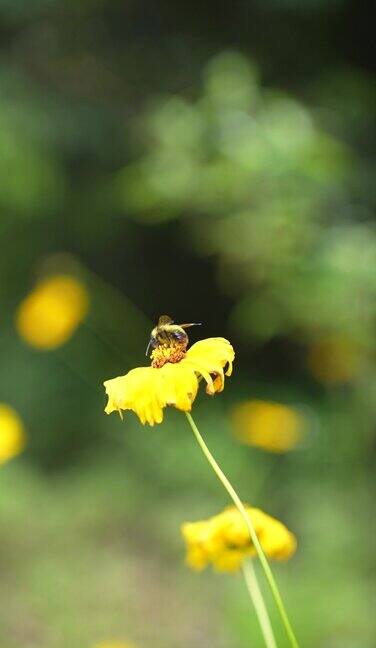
x,y
214,162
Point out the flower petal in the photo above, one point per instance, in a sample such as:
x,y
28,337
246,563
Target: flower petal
x,y
209,357
178,385
139,391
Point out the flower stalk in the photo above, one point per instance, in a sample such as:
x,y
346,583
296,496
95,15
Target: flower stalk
x,y
258,603
238,503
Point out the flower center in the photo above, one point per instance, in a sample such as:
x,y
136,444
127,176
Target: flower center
x,y
172,352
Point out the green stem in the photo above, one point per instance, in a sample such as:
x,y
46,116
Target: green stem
x,y
239,505
259,604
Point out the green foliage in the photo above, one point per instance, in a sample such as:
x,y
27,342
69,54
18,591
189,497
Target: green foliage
x,y
213,163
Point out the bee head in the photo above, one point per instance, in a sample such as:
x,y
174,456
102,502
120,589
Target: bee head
x,y
167,334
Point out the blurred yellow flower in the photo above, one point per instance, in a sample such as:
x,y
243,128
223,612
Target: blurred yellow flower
x,y
51,312
334,360
224,542
12,434
148,390
271,426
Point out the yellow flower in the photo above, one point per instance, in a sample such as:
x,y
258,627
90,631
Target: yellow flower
x,y
12,435
271,426
148,390
223,540
52,311
334,360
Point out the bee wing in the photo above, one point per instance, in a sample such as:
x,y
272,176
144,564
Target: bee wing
x,y
184,326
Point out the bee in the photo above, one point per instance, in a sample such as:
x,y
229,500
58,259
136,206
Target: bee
x,y
167,333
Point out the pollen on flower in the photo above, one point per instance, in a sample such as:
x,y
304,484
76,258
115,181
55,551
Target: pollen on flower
x,y
172,353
